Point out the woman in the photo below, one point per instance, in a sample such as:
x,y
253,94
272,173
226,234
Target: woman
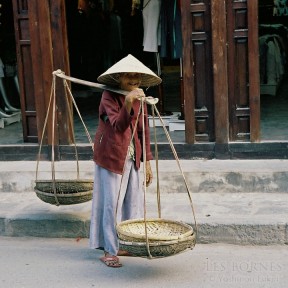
x,y
112,145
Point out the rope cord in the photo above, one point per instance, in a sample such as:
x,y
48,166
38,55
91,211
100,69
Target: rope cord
x,y
157,164
150,100
52,102
71,121
154,108
44,127
179,166
144,172
76,107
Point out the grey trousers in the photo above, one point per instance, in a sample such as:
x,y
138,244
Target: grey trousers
x,y
105,201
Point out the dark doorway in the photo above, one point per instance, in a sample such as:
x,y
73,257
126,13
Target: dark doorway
x,y
273,57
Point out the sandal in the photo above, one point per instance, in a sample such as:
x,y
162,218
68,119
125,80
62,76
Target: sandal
x,y
111,261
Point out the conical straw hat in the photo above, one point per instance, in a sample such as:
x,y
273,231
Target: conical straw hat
x,y
129,64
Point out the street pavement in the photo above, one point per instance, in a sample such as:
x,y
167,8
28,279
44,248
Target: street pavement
x,y
68,263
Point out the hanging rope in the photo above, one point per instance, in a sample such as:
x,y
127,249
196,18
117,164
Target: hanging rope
x,y
52,102
149,100
179,166
154,108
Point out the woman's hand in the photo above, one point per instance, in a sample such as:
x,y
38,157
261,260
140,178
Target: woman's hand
x,y
134,95
149,174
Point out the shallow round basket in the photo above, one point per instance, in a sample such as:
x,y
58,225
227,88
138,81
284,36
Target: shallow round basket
x,y
68,192
165,237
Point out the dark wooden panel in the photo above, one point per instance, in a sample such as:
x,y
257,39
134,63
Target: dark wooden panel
x,y
238,74
199,97
29,102
32,127
244,95
25,74
241,77
202,65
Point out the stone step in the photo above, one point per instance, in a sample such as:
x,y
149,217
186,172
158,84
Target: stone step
x,y
235,218
219,176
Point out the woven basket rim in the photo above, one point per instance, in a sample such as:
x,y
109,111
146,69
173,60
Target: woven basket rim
x,y
120,230
158,243
62,195
65,181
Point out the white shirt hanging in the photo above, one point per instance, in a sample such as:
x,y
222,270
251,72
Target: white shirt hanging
x,y
151,25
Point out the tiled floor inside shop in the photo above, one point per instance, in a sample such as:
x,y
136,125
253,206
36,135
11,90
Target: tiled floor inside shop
x,y
274,115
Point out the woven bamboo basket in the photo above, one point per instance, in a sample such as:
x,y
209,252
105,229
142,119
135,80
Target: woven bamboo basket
x,y
67,192
165,237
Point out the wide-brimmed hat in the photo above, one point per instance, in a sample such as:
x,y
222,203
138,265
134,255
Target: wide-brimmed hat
x,y
129,64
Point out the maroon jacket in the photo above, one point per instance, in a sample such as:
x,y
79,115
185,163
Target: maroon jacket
x,y
114,134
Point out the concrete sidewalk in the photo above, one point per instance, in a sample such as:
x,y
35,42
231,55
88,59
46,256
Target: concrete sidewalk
x,y
236,202
69,263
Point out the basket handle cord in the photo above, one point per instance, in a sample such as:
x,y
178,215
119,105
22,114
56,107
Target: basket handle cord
x,y
52,100
145,188
179,166
157,163
144,172
154,108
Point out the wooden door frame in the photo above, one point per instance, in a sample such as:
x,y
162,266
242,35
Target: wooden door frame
x,y
254,80
46,34
223,105
42,63
188,84
220,71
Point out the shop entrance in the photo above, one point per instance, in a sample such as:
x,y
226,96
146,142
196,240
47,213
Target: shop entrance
x,y
201,27
273,57
102,32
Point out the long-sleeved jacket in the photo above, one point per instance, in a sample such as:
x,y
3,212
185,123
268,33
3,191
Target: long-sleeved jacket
x,y
114,133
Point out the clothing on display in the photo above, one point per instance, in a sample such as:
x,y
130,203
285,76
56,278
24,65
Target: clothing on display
x,y
1,69
272,56
171,34
280,8
151,24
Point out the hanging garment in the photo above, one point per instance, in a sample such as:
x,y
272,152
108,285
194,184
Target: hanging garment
x,y
151,25
171,34
115,40
275,68
107,5
280,8
1,69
